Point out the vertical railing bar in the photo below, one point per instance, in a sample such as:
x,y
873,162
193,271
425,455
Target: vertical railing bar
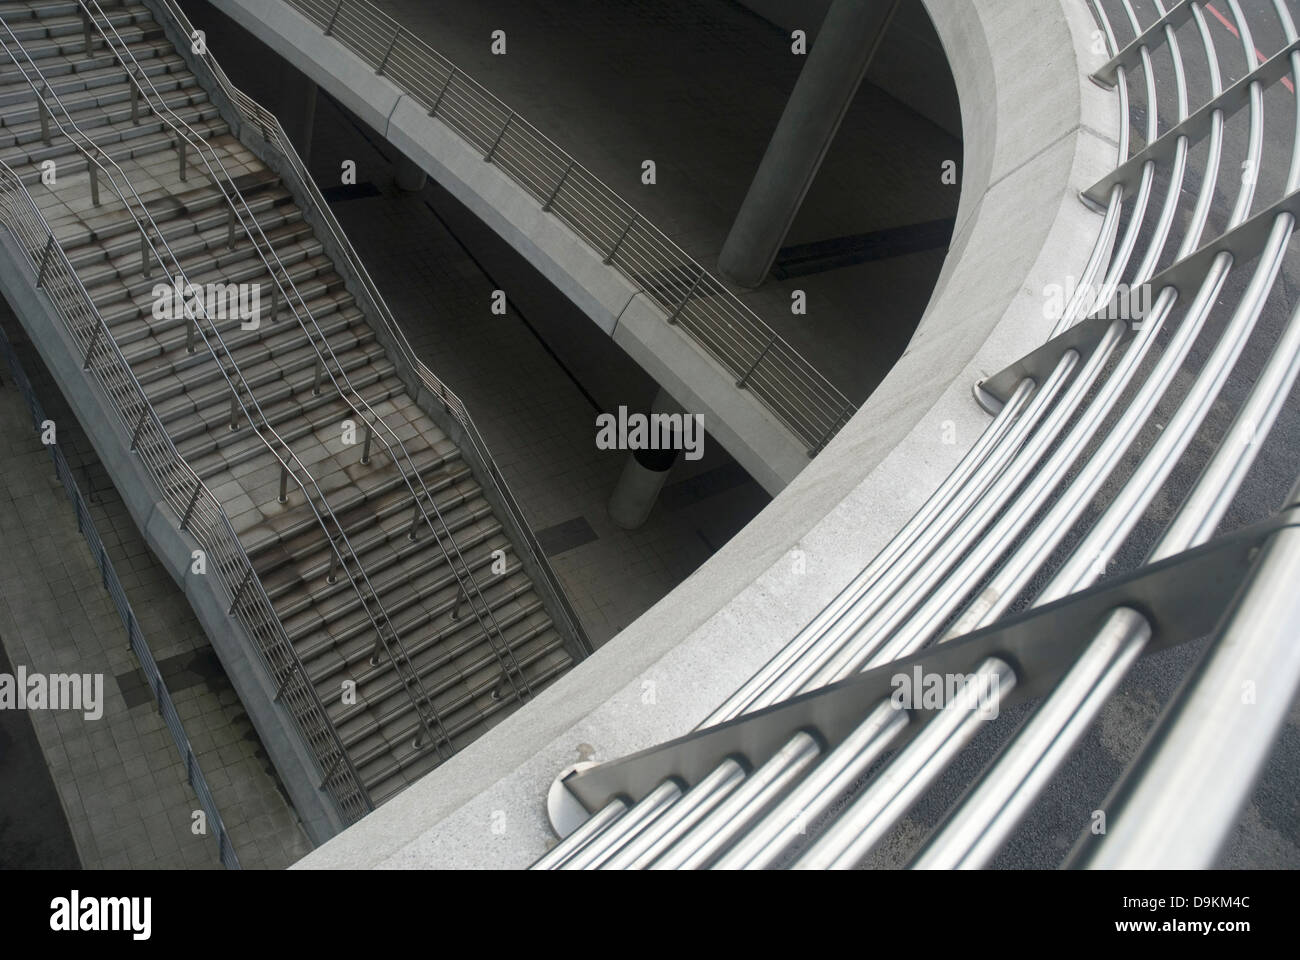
x,y
384,63
743,381
546,207
329,28
609,257
239,591
94,340
433,111
699,278
144,415
185,519
45,261
497,142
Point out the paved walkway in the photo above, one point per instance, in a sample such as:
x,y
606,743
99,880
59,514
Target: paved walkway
x,y
120,779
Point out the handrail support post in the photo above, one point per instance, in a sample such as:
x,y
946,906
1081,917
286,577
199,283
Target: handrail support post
x,y
239,591
384,63
546,207
135,434
487,158
329,27
433,111
743,381
45,261
699,278
609,257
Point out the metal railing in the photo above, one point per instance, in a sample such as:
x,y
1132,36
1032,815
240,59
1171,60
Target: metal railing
x,y
1075,426
376,309
199,512
242,397
695,301
285,290
135,637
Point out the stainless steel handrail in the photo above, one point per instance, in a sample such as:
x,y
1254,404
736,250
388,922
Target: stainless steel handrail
x,y
972,551
734,336
262,120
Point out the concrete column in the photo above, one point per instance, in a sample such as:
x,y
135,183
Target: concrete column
x,y
409,176
837,62
643,476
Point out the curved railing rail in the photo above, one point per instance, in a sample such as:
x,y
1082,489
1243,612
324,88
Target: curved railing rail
x,y
1088,432
761,361
263,121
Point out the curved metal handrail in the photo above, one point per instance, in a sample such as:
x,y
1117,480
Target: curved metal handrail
x,y
978,545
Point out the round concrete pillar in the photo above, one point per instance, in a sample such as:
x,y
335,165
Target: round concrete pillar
x,y
644,474
409,177
638,488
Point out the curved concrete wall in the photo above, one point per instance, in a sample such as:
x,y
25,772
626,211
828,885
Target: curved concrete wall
x,y
1036,133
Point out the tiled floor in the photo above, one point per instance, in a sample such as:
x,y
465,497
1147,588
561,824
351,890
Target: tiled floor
x,y
122,783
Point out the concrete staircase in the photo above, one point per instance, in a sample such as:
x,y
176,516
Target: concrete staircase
x,y
326,616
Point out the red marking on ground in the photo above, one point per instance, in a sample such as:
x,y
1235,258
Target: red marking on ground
x,y
1232,28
